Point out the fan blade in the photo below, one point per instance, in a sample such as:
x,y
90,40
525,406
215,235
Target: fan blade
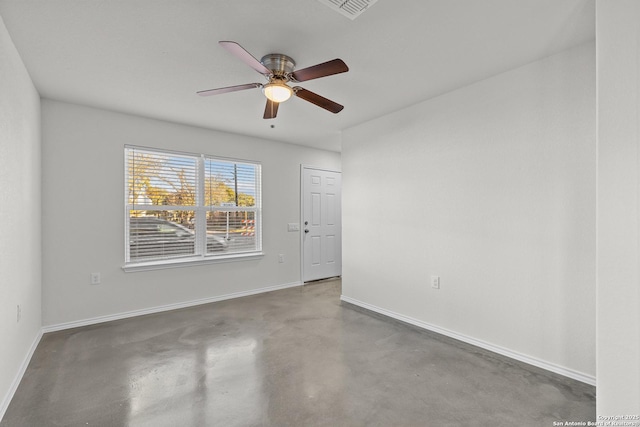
x,y
239,52
320,101
227,89
328,68
271,109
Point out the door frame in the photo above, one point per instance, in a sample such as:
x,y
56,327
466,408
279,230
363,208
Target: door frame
x,y
301,222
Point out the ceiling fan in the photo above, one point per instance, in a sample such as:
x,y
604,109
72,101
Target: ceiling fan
x,y
278,69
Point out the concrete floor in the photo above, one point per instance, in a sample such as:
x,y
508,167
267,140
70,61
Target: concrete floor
x,y
296,357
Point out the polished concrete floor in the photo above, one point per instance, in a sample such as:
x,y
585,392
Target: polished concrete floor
x,y
296,357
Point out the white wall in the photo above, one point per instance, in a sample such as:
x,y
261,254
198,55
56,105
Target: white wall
x,y
618,312
19,215
83,214
492,188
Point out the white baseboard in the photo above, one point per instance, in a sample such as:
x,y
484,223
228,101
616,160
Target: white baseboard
x,y
16,380
569,373
168,307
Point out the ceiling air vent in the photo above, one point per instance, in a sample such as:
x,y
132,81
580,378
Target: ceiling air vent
x,y
349,8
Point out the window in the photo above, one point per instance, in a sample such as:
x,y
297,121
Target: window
x,y
183,208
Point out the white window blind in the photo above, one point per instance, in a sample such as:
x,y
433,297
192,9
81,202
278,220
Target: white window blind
x,y
189,207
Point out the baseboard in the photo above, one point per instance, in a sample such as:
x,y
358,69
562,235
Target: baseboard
x,y
16,380
168,307
566,372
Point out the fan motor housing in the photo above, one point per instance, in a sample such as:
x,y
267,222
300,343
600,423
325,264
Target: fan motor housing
x,y
280,64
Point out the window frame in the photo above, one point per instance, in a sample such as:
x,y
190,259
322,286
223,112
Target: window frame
x,y
200,213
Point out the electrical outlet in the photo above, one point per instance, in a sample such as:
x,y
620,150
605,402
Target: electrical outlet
x,y
280,258
18,313
95,278
435,282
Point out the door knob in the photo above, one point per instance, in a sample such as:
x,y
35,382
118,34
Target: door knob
x,y
306,231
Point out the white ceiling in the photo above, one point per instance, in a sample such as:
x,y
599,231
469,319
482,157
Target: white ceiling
x,y
149,57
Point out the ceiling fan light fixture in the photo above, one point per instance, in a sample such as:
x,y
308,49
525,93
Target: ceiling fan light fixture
x,y
277,92
279,70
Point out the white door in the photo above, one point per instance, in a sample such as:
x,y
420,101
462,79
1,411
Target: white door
x,y
321,224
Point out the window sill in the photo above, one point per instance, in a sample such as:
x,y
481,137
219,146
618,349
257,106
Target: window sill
x,y
188,262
